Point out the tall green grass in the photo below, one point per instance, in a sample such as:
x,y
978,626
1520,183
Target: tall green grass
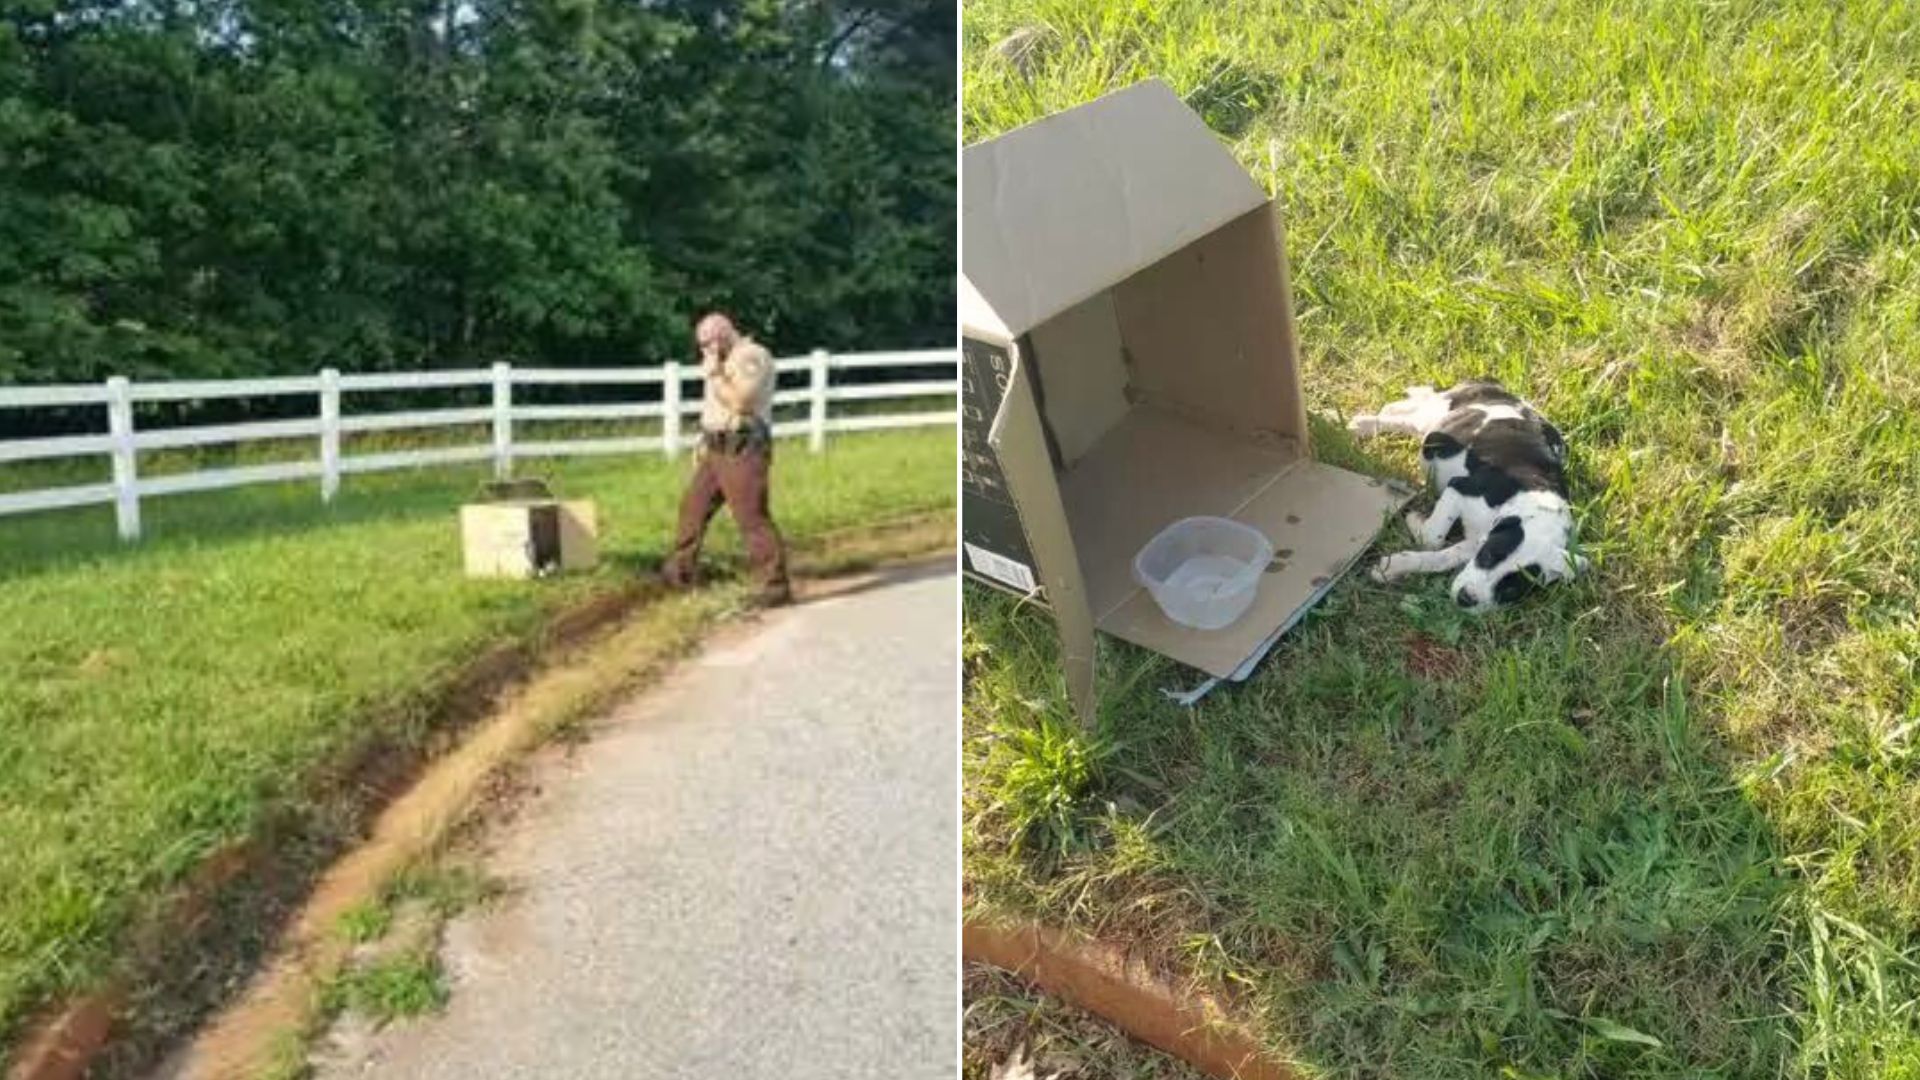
x,y
160,700
1657,824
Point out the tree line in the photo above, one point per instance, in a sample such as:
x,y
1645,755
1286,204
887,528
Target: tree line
x,y
237,188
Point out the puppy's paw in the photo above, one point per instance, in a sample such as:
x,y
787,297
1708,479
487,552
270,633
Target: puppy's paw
x,y
1417,524
1364,427
1382,571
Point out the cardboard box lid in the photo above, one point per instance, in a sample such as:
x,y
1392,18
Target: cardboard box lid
x,y
1059,210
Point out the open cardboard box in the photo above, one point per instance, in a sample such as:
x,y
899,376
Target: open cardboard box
x,y
518,529
1129,360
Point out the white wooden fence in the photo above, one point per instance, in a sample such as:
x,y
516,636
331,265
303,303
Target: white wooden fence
x,y
124,444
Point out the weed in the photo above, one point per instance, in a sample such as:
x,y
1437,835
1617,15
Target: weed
x,y
447,889
1042,769
364,923
288,1060
390,988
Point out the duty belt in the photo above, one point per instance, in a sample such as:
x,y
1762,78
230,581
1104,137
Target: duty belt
x,y
752,435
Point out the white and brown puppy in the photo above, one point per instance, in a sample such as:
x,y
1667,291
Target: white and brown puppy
x,y
1498,470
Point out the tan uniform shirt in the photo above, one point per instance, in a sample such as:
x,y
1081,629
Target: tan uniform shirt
x,y
749,374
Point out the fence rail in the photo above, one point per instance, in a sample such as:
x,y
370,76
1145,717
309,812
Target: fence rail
x,y
123,443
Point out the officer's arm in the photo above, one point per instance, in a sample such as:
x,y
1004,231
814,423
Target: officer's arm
x,y
741,377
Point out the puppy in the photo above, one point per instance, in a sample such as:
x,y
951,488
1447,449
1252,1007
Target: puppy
x,y
1497,468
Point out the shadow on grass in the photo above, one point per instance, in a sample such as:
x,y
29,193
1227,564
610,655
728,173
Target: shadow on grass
x,y
1416,842
1232,95
886,577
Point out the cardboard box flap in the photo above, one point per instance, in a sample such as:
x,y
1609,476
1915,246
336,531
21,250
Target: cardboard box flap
x,y
1020,443
977,317
1320,520
1151,470
1061,209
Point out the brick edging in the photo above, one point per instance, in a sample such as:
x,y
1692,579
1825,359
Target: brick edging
x,y
1101,978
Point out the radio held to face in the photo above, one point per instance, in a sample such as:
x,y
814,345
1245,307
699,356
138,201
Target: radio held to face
x,y
734,463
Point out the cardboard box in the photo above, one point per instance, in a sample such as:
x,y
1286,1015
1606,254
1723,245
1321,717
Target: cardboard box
x,y
1128,359
525,537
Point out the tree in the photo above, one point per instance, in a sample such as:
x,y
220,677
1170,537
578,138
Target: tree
x,y
247,187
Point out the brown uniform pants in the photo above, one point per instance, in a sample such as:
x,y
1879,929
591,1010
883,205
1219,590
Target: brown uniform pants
x,y
738,479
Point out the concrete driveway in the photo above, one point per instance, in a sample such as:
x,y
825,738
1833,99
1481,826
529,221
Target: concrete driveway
x,y
751,870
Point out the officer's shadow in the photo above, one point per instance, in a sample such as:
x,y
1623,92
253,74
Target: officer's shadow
x,y
813,581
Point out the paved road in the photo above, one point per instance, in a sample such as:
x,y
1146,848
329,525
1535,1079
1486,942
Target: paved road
x,y
751,872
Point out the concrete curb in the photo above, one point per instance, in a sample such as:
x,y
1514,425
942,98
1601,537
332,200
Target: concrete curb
x,y
1101,978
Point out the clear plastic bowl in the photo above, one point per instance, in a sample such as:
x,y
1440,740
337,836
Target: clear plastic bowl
x,y
1204,572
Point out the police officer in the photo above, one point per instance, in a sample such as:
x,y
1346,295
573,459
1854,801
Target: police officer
x,y
734,459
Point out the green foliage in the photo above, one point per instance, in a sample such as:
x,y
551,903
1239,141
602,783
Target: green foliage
x,y
444,889
366,922
390,988
1032,767
263,187
1042,769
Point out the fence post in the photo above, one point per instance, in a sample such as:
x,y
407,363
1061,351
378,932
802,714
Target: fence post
x,y
126,492
329,433
817,411
670,410
502,420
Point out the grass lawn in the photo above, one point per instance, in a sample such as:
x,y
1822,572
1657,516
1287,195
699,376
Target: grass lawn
x,y
1661,823
160,700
